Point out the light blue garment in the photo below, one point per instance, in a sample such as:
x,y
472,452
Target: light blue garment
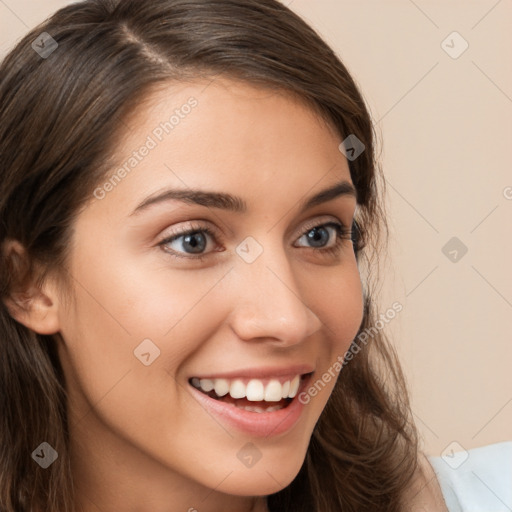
x,y
476,480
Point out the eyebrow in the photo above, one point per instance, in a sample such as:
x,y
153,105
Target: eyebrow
x,y
229,202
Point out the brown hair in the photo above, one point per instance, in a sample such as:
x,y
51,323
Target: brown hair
x,y
60,116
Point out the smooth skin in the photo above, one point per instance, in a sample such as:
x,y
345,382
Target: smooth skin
x,y
139,438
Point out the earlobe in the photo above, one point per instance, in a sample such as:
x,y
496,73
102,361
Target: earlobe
x,y
35,308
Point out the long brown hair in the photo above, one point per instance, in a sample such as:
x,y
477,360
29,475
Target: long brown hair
x,y
61,112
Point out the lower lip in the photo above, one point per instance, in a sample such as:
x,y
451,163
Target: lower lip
x,y
260,424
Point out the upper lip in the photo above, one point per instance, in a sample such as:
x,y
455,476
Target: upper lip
x,y
260,372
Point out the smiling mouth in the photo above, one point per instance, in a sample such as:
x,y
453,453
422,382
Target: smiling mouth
x,y
253,395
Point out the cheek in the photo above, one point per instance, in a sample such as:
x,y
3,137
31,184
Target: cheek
x,y
140,301
122,312
117,307
339,301
341,304
132,330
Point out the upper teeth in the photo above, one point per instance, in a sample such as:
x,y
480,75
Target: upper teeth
x,y
254,390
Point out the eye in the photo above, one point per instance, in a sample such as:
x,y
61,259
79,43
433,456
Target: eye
x,y
320,234
194,240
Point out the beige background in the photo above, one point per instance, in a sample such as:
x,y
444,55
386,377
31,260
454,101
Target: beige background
x,y
446,126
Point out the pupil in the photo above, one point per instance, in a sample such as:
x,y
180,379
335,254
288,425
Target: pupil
x,y
315,236
197,247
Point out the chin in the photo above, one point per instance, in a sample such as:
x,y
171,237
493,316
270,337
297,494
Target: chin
x,y
266,476
260,482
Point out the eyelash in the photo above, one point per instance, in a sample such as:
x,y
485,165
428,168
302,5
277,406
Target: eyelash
x,y
342,232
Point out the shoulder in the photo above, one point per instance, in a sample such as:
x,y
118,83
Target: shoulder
x,y
476,480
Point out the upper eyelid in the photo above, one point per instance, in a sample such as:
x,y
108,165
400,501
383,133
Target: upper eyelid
x,y
308,224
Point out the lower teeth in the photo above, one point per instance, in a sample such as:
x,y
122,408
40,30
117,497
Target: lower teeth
x,y
255,408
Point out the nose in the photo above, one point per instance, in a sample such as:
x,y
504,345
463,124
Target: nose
x,y
270,306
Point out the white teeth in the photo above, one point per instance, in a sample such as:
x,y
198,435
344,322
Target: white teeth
x,y
294,386
221,387
286,389
206,384
273,408
273,391
237,389
255,390
255,408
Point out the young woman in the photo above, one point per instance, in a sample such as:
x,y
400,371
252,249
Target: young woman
x,y
190,211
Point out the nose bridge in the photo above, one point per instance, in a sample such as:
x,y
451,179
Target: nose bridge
x,y
270,304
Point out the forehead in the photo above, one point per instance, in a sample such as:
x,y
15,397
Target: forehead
x,y
225,108
225,135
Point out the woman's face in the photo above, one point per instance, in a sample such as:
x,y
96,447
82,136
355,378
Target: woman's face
x,y
253,304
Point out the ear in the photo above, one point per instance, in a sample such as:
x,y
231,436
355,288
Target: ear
x,y
34,307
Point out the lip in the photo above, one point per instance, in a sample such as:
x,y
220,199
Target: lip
x,y
264,424
260,373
